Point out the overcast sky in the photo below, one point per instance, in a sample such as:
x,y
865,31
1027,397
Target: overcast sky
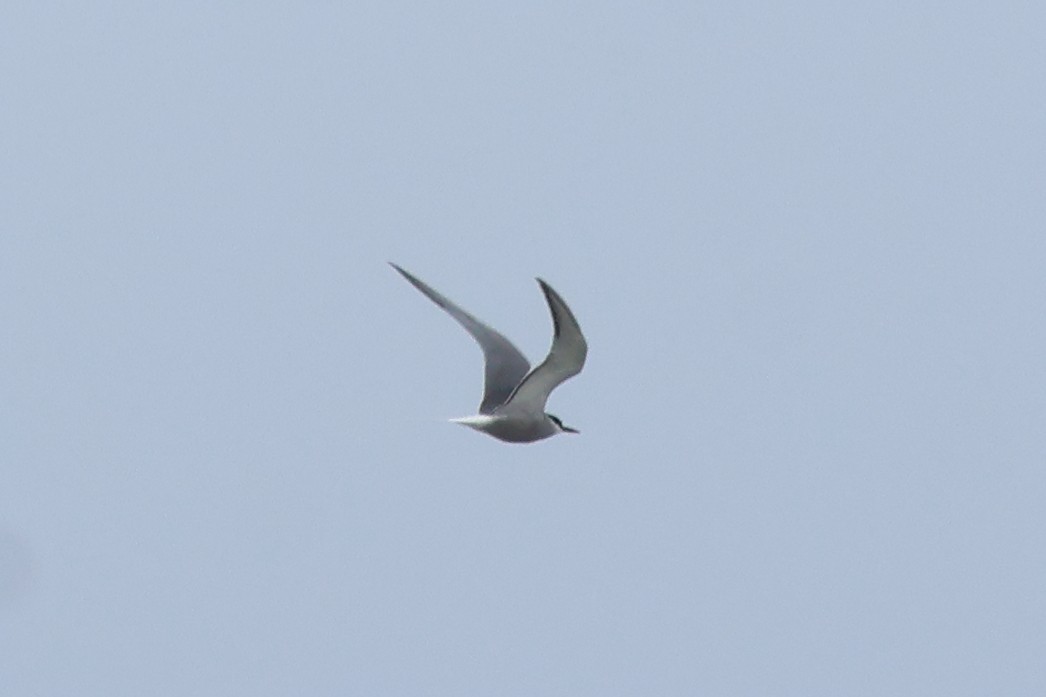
x,y
806,244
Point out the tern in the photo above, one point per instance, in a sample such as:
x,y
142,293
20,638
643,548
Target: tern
x,y
514,396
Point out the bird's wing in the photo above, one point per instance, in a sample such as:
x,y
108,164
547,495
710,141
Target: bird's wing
x,y
505,365
565,359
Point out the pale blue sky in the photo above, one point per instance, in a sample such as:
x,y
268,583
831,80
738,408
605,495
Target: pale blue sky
x,y
805,241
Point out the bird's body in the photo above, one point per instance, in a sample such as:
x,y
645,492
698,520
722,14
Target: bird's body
x,y
523,428
514,396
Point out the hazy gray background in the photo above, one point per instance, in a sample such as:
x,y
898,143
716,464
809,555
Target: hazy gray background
x,y
806,242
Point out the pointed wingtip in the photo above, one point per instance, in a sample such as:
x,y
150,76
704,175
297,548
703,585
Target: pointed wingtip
x,y
548,290
545,287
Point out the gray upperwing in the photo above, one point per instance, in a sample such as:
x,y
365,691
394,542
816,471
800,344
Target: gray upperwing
x,y
505,365
565,359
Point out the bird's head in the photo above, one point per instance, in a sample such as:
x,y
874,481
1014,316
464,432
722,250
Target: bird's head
x,y
559,424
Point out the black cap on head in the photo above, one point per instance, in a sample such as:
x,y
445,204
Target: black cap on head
x,y
557,421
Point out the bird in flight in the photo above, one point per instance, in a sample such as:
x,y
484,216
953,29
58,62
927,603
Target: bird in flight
x,y
514,396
